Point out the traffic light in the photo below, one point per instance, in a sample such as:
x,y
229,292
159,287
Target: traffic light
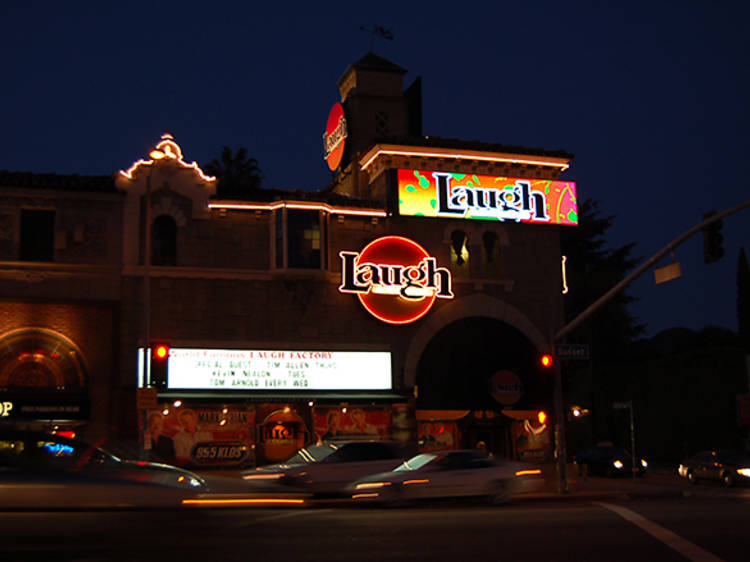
x,y
546,361
159,364
713,240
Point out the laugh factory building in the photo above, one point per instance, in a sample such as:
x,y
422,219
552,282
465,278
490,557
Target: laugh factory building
x,y
411,299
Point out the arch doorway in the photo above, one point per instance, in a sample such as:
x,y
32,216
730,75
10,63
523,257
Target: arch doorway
x,y
482,366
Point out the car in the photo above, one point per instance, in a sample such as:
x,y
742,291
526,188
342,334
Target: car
x,y
329,476
607,460
728,467
45,469
449,474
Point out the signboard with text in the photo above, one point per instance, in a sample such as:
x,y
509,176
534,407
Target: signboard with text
x,y
395,279
572,351
470,196
240,369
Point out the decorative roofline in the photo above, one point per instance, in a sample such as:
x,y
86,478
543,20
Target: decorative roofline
x,y
460,154
171,151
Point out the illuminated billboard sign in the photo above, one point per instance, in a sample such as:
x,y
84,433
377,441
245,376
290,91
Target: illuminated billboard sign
x,y
395,278
334,137
470,196
239,369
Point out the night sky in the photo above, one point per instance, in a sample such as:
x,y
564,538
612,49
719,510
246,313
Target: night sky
x,y
650,97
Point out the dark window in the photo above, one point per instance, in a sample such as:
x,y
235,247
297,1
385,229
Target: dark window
x,y
164,241
382,126
303,239
490,254
37,235
459,254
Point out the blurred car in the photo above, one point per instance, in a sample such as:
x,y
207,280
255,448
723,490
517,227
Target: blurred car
x,y
40,469
607,460
729,467
348,461
449,474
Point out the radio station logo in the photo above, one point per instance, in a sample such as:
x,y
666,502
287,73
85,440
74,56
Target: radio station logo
x,y
334,137
395,278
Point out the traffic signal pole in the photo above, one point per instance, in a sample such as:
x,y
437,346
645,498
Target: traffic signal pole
x,y
594,307
650,262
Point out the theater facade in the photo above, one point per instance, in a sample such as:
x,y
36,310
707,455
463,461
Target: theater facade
x,y
411,299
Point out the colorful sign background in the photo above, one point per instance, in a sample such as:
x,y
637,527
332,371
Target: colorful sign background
x,y
222,432
417,195
351,423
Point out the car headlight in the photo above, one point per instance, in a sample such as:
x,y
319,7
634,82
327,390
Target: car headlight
x,y
744,472
370,485
644,464
618,464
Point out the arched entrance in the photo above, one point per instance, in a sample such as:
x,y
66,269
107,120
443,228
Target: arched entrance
x,y
481,366
43,376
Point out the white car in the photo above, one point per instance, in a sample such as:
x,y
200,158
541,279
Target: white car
x,y
449,474
330,476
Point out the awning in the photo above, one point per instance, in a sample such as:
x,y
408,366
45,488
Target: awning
x,y
239,396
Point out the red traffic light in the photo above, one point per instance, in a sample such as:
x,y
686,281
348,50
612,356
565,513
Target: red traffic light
x,y
161,351
546,360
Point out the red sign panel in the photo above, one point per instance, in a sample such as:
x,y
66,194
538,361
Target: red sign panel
x,y
395,278
334,137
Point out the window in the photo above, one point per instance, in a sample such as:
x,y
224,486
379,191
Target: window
x,y
382,128
490,255
164,241
301,240
459,254
37,235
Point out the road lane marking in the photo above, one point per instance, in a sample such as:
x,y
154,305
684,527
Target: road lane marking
x,y
689,550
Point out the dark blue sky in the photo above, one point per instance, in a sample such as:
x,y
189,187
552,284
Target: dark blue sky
x,y
651,97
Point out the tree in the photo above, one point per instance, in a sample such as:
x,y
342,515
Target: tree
x,y
593,269
237,174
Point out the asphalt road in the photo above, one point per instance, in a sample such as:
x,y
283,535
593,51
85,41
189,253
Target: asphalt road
x,y
652,519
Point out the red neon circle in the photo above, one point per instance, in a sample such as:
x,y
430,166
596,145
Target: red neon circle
x,y
335,116
394,309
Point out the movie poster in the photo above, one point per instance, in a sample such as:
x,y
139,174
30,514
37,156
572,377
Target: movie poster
x,y
437,435
199,437
533,441
351,423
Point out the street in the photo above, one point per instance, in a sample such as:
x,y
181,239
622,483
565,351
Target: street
x,y
617,520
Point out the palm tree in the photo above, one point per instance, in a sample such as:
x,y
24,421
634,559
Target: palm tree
x,y
237,174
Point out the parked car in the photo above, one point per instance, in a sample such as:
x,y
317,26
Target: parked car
x,y
349,461
40,469
729,467
449,474
607,460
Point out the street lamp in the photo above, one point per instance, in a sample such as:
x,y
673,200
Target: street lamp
x,y
156,155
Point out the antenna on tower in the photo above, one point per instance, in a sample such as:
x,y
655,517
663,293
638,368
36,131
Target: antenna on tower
x,y
377,30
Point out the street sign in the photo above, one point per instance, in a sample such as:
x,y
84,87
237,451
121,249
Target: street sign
x,y
621,405
572,351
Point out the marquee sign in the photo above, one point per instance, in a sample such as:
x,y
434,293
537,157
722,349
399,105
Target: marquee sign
x,y
395,278
334,137
470,196
263,370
